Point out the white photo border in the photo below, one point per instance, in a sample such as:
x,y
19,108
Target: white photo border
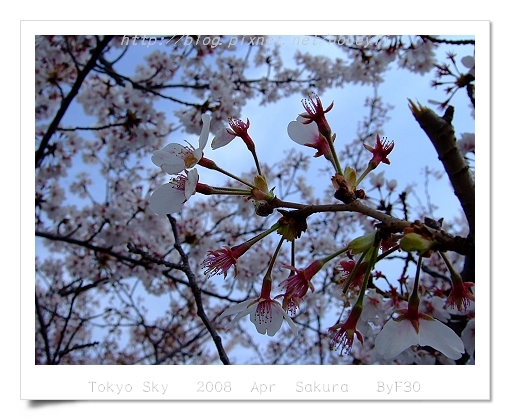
x,y
257,382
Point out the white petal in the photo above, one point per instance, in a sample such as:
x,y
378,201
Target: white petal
x,y
270,322
276,323
303,133
468,337
222,139
290,322
369,310
237,318
167,199
466,143
191,183
240,307
395,337
468,61
439,312
204,135
197,154
278,314
170,158
172,169
437,335
170,151
247,311
241,310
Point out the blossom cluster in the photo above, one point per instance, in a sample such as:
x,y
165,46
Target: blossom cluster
x,y
411,326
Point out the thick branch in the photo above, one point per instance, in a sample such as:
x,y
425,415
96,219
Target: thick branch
x,y
463,246
442,135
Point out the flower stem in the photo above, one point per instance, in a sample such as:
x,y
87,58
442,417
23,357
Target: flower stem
x,y
388,252
267,281
364,174
262,235
336,162
335,254
354,271
230,191
448,263
251,147
256,160
273,258
456,279
209,164
414,299
371,265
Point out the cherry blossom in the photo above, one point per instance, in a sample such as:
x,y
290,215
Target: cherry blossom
x,y
316,113
377,181
466,143
266,314
391,185
435,308
342,334
307,134
408,330
298,285
238,128
380,151
175,157
169,198
222,138
374,309
468,337
469,62
419,57
460,295
346,268
219,261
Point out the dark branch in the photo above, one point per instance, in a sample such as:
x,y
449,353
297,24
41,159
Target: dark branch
x,y
442,135
448,41
458,244
87,245
39,154
197,294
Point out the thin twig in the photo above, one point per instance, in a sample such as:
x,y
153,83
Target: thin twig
x,y
197,293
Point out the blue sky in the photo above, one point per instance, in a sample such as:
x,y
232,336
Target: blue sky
x,y
412,151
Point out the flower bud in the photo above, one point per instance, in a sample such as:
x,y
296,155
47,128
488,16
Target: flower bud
x,y
261,191
263,209
416,242
350,178
362,244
